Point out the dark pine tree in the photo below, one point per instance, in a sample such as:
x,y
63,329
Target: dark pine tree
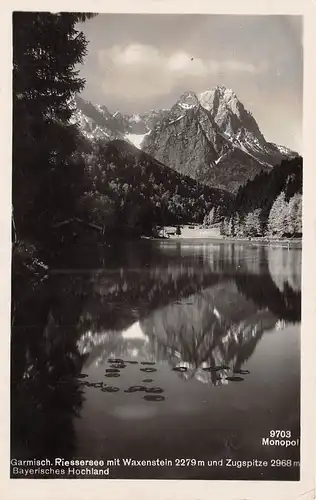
x,y
46,168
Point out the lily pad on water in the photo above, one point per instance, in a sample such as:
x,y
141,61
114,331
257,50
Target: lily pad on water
x,y
242,372
82,375
148,363
150,397
154,390
235,379
148,370
92,384
112,375
136,388
148,380
115,360
110,389
132,362
215,368
118,366
112,370
180,369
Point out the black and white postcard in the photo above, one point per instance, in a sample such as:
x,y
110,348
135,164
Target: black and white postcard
x,y
156,219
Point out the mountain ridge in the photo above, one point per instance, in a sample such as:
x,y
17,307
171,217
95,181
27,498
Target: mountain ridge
x,y
210,136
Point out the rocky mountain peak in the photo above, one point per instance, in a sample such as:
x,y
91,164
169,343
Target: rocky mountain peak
x,y
188,100
103,110
229,113
186,105
214,139
218,96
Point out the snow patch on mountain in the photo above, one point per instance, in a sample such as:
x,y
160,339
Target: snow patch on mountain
x,y
88,126
219,159
283,149
177,119
136,139
184,105
136,118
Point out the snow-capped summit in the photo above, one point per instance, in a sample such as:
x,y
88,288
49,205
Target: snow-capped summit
x,y
187,103
210,99
229,113
188,100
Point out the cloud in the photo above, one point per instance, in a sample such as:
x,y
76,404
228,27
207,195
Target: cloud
x,y
185,64
142,71
133,54
232,66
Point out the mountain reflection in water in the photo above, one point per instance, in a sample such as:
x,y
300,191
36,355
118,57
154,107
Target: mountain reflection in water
x,y
198,311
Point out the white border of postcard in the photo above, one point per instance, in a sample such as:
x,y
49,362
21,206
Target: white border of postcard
x,y
94,489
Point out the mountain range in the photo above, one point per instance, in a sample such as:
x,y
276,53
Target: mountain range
x,y
209,137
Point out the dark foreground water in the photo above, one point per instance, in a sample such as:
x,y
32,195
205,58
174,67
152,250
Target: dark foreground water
x,y
184,352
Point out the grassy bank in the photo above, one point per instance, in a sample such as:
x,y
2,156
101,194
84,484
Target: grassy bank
x,y
213,235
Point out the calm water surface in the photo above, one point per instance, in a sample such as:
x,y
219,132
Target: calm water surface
x,y
219,325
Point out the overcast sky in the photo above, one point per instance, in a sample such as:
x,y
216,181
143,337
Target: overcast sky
x,y
139,62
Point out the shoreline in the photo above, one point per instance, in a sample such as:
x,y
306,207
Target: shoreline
x,y
286,242
212,234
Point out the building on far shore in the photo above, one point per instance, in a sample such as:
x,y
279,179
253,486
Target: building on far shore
x,y
167,231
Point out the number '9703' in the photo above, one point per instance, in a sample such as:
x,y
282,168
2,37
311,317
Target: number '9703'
x,y
280,433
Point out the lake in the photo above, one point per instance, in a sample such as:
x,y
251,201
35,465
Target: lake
x,y
186,352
